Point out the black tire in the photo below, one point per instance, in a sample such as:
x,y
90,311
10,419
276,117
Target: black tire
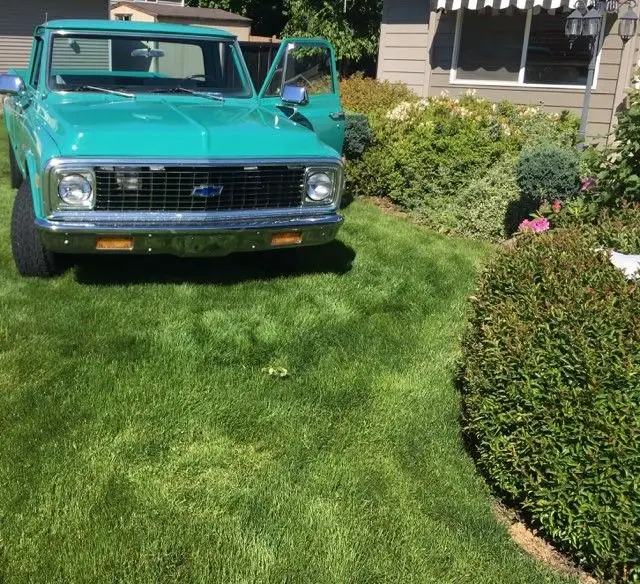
x,y
14,170
32,259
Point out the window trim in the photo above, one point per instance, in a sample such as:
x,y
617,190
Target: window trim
x,y
36,62
523,58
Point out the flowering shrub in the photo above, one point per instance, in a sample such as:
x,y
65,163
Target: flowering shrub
x,y
551,367
428,153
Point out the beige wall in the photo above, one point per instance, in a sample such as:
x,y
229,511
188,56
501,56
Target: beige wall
x,y
401,52
403,43
136,15
19,19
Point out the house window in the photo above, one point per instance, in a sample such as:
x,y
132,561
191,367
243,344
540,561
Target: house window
x,y
550,59
123,16
517,47
491,46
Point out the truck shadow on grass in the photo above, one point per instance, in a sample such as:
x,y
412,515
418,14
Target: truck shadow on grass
x,y
112,270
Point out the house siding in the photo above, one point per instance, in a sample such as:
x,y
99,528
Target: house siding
x,y
616,61
404,44
19,19
91,54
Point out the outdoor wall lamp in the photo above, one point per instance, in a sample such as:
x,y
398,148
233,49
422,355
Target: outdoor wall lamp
x,y
588,20
628,24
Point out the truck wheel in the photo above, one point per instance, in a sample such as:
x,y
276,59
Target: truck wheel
x,y
32,259
16,175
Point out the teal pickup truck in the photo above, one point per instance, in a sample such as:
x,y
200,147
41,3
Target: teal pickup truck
x,y
138,138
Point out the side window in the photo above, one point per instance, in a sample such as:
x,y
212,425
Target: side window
x,y
37,64
306,66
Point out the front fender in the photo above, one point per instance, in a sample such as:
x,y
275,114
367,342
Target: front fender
x,y
39,148
35,178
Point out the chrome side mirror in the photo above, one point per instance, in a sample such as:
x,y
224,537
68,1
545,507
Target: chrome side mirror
x,y
11,84
294,95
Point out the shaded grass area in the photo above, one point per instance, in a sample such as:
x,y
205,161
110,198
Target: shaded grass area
x,y
142,442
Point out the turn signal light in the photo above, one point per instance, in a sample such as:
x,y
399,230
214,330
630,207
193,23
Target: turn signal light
x,y
289,238
105,242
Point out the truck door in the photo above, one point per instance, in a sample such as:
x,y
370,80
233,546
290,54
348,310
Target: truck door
x,y
307,67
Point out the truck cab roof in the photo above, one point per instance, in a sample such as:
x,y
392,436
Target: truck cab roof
x,y
122,26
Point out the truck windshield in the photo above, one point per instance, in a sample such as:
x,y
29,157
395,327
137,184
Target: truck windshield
x,y
138,64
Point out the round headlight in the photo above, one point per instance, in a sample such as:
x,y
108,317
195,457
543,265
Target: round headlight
x,y
319,187
75,189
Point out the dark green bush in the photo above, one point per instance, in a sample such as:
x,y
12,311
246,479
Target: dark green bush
x,y
548,172
358,135
551,387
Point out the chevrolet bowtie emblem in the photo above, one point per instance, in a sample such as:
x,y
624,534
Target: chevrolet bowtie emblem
x,y
207,191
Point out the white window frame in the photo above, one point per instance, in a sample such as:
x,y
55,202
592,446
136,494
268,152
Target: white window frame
x,y
453,80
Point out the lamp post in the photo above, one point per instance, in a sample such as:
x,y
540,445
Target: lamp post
x,y
588,20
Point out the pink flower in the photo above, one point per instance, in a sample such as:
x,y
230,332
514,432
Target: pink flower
x,y
587,184
537,225
557,205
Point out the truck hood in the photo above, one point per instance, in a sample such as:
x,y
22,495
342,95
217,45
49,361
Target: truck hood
x,y
175,127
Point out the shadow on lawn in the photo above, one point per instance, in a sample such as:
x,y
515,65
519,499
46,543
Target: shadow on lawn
x,y
333,258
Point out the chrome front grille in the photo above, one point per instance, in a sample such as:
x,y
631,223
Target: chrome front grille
x,y
196,188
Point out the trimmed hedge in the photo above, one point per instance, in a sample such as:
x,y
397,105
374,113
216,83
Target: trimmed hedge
x,y
438,158
551,388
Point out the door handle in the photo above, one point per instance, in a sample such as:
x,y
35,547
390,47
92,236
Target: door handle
x,y
337,116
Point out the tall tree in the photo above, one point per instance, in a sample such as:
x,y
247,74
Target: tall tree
x,y
352,26
354,31
267,15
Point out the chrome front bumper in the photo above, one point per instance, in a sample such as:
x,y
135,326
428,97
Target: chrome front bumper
x,y
207,238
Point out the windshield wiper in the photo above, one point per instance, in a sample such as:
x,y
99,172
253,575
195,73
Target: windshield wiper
x,y
178,88
103,90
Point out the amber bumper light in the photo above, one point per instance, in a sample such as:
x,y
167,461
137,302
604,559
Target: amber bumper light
x,y
291,238
114,243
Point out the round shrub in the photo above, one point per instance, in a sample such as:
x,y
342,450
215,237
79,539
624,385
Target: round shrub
x,y
551,388
548,171
358,135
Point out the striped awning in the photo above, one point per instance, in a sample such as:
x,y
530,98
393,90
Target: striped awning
x,y
499,4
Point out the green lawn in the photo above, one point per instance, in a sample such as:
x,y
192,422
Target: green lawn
x,y
140,440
